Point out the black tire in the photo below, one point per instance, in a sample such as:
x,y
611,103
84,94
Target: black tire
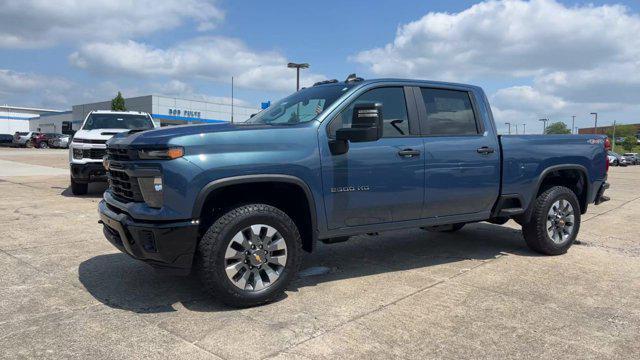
x,y
79,188
43,145
28,144
210,257
445,228
535,230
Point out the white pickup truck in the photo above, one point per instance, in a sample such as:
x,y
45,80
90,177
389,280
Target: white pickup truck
x,y
88,146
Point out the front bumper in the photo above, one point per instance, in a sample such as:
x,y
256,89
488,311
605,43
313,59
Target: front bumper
x,y
168,247
88,172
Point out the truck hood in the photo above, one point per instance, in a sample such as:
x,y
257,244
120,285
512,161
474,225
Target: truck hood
x,y
98,134
171,134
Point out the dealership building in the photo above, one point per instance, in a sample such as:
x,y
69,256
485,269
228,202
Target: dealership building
x,y
16,118
164,109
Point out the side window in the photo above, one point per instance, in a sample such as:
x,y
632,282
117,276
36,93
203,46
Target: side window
x,y
394,112
449,112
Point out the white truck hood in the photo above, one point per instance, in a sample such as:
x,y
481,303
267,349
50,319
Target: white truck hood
x,y
98,134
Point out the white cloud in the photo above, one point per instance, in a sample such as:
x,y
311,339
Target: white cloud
x,y
210,58
43,23
17,86
563,60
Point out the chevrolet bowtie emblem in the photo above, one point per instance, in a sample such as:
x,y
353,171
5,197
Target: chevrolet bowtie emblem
x,y
257,257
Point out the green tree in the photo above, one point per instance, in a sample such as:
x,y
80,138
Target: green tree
x,y
557,128
117,103
629,142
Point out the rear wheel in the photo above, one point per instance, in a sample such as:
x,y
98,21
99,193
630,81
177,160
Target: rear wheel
x,y
79,188
249,255
43,145
554,223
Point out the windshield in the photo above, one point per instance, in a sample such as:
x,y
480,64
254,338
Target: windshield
x,y
302,106
118,121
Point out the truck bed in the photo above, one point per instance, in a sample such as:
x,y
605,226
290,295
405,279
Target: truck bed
x,y
526,158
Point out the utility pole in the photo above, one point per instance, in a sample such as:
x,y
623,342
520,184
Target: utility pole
x,y
232,99
544,125
573,122
613,143
516,129
524,128
508,124
297,67
595,125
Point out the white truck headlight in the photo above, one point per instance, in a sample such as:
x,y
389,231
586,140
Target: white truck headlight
x,y
77,154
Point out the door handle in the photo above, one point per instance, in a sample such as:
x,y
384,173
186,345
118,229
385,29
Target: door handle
x,y
409,153
485,150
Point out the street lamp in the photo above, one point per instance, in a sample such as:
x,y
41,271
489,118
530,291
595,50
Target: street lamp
x,y
595,125
508,124
297,67
573,122
544,125
524,128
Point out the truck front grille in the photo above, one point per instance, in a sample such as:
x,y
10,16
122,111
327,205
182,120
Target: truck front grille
x,y
118,154
95,154
124,187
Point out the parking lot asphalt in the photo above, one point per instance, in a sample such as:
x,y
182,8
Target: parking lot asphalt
x,y
479,293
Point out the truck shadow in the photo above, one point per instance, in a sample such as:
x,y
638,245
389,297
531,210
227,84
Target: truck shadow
x,y
124,283
95,190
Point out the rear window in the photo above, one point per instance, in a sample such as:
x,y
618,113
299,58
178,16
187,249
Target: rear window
x,y
449,112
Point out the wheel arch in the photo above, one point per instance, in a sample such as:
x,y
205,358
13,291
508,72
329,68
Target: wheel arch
x,y
553,175
309,229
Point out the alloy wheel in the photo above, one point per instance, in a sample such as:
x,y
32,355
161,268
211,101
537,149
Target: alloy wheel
x,y
560,221
255,257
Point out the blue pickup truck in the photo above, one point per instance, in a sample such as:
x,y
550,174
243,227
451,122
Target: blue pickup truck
x,y
238,203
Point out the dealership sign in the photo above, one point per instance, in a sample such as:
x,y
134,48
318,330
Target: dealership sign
x,y
184,113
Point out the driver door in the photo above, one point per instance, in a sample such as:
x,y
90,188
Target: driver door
x,y
378,181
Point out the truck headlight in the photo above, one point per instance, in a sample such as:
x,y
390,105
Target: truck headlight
x,y
161,154
77,154
151,189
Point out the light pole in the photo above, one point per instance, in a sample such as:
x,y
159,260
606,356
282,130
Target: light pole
x,y
524,128
544,125
297,67
613,143
595,125
509,125
516,129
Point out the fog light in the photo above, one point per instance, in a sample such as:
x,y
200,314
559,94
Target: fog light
x,y
157,184
151,189
77,154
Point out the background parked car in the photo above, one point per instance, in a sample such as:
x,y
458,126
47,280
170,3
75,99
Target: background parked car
x,y
21,138
60,141
41,140
616,160
6,139
632,158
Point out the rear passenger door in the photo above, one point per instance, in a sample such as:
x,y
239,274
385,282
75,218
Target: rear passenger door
x,y
462,156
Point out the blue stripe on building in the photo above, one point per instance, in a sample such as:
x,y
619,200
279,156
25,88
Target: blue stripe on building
x,y
16,118
182,118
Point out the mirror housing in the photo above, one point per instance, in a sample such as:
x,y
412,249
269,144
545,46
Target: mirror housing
x,y
366,125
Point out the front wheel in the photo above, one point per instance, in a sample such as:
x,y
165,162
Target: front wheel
x,y
43,145
554,223
79,188
249,255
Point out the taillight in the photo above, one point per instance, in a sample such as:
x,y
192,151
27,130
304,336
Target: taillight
x,y
607,148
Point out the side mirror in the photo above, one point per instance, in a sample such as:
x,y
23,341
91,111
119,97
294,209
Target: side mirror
x,y
366,125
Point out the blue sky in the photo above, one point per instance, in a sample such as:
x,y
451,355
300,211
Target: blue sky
x,y
542,58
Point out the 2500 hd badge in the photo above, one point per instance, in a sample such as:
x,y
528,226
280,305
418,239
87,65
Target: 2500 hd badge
x,y
349,188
